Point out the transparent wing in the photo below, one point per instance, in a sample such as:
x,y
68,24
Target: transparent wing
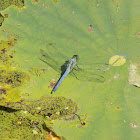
x,y
92,71
50,61
53,57
85,75
87,71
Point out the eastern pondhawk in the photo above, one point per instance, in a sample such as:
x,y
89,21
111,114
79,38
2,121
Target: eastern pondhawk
x,y
54,57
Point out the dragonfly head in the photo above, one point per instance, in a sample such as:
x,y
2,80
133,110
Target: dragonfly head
x,y
76,57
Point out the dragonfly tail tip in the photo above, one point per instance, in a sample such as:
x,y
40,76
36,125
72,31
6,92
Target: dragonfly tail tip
x,y
52,92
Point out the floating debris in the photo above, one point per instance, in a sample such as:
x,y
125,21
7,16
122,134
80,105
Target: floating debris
x,y
134,77
117,60
133,125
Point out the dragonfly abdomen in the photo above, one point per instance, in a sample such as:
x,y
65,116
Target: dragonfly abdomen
x,y
61,79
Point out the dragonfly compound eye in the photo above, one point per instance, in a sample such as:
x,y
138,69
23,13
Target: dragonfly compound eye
x,y
76,57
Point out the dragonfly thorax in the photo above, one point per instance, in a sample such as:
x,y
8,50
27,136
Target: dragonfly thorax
x,y
76,57
71,64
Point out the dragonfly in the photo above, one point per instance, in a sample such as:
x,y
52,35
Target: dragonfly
x,y
53,57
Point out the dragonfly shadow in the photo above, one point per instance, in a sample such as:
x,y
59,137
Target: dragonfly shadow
x,y
64,67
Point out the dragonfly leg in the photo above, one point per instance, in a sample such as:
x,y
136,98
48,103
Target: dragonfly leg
x,y
77,66
75,75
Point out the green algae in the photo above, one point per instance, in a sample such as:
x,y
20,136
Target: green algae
x,y
14,78
50,107
6,3
36,71
11,77
18,3
33,119
6,55
20,125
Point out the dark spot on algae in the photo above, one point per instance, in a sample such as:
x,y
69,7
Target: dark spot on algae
x,y
118,108
11,77
1,19
52,84
35,1
2,91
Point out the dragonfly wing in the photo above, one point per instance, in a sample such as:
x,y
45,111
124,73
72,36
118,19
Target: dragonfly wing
x,y
53,57
49,61
55,53
85,75
94,66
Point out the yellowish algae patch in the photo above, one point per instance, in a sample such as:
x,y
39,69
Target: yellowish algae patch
x,y
53,108
134,76
34,118
6,3
11,77
36,71
18,125
117,60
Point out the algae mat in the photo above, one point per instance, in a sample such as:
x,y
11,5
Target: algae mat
x,y
99,32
